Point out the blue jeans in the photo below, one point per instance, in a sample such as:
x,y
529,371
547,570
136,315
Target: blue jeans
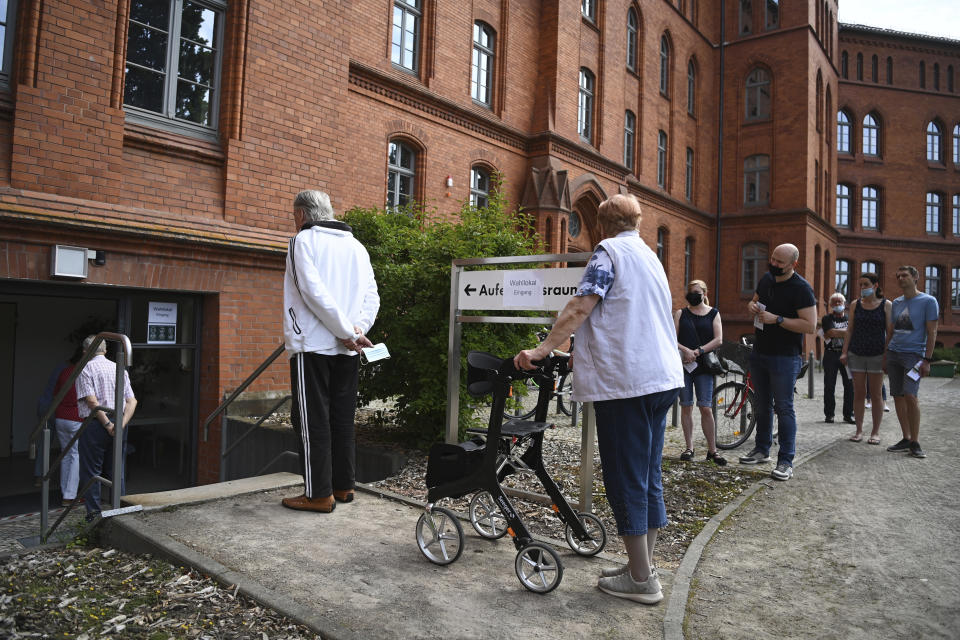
x,y
773,380
630,440
704,388
96,459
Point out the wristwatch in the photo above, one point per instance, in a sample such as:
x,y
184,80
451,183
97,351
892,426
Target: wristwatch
x,y
927,359
779,320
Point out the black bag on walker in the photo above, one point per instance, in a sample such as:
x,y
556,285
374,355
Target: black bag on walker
x,y
449,462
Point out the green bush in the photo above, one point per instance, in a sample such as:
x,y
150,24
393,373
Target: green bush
x,y
411,252
947,353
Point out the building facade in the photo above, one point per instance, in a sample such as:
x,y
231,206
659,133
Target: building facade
x,y
171,136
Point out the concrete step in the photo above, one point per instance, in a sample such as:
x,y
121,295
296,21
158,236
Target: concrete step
x,y
204,493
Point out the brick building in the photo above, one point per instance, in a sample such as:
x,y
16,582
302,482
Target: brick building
x,y
172,134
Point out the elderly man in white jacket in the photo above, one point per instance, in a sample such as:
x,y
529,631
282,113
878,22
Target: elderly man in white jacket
x,y
330,301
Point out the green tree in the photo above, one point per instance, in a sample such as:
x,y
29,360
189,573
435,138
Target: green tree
x,y
411,251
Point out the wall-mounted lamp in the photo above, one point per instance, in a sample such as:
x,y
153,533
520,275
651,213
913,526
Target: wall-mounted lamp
x,y
99,258
72,262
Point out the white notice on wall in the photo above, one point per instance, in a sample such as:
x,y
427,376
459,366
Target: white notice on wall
x,y
161,323
522,289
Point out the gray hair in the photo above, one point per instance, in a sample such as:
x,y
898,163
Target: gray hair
x,y
837,295
314,204
101,348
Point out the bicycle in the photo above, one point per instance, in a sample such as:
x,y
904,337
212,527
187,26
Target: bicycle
x,y
522,399
734,408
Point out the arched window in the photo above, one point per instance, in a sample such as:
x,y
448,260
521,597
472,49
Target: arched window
x,y
871,135
662,160
687,260
869,206
933,142
844,65
829,109
753,265
405,43
756,180
479,186
481,81
401,174
688,183
585,106
662,235
874,69
842,282
664,66
629,139
819,98
691,87
758,95
889,70
772,16
859,66
746,17
934,212
633,37
843,205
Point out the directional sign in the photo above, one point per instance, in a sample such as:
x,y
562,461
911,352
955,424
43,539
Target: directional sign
x,y
519,290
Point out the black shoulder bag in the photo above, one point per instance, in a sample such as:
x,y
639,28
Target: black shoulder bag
x,y
707,361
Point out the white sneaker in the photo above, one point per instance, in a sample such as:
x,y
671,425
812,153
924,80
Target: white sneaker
x,y
624,586
868,404
886,409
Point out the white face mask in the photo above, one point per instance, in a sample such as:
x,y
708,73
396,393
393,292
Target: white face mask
x,y
838,309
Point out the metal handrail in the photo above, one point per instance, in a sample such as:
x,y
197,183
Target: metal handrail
x,y
243,387
124,357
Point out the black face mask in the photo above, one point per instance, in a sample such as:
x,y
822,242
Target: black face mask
x,y
694,298
776,271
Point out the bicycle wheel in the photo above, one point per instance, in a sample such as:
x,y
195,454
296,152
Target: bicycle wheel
x,y
564,389
733,414
522,402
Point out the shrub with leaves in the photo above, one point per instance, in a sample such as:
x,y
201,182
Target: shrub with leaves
x,y
411,251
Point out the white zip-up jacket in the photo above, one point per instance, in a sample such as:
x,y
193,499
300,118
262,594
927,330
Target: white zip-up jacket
x,y
328,288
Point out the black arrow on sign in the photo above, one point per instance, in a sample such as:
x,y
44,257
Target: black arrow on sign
x,y
468,289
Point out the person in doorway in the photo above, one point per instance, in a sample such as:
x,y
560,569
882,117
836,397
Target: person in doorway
x,y
911,335
330,301
96,387
834,326
784,308
632,373
67,419
862,352
699,330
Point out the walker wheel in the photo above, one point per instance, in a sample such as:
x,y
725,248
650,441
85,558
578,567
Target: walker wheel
x,y
440,536
485,516
593,527
538,568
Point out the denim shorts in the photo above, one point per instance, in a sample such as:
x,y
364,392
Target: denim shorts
x,y
704,387
867,364
897,366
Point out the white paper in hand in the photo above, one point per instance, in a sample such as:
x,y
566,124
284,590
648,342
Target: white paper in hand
x,y
757,322
374,353
914,374
690,366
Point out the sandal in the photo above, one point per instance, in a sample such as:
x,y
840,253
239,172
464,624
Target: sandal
x,y
687,455
856,438
873,440
716,458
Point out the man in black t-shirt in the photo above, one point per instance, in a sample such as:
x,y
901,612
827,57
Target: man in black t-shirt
x,y
834,329
783,308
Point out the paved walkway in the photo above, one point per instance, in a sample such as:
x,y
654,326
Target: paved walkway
x,y
860,543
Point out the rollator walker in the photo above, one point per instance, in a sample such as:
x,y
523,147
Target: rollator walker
x,y
479,465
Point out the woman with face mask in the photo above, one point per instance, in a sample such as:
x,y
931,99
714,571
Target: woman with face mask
x,y
863,352
698,331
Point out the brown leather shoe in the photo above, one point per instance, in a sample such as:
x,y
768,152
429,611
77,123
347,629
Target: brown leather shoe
x,y
303,503
343,496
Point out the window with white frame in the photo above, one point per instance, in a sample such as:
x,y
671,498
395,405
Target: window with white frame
x,y
772,17
662,159
756,179
842,278
931,281
481,80
844,128
746,17
8,16
691,88
956,215
585,105
664,66
934,211
401,174
688,183
662,245
479,187
933,142
174,52
753,266
955,287
588,8
843,205
405,36
758,95
633,38
869,202
956,145
688,260
870,267
629,138
871,135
